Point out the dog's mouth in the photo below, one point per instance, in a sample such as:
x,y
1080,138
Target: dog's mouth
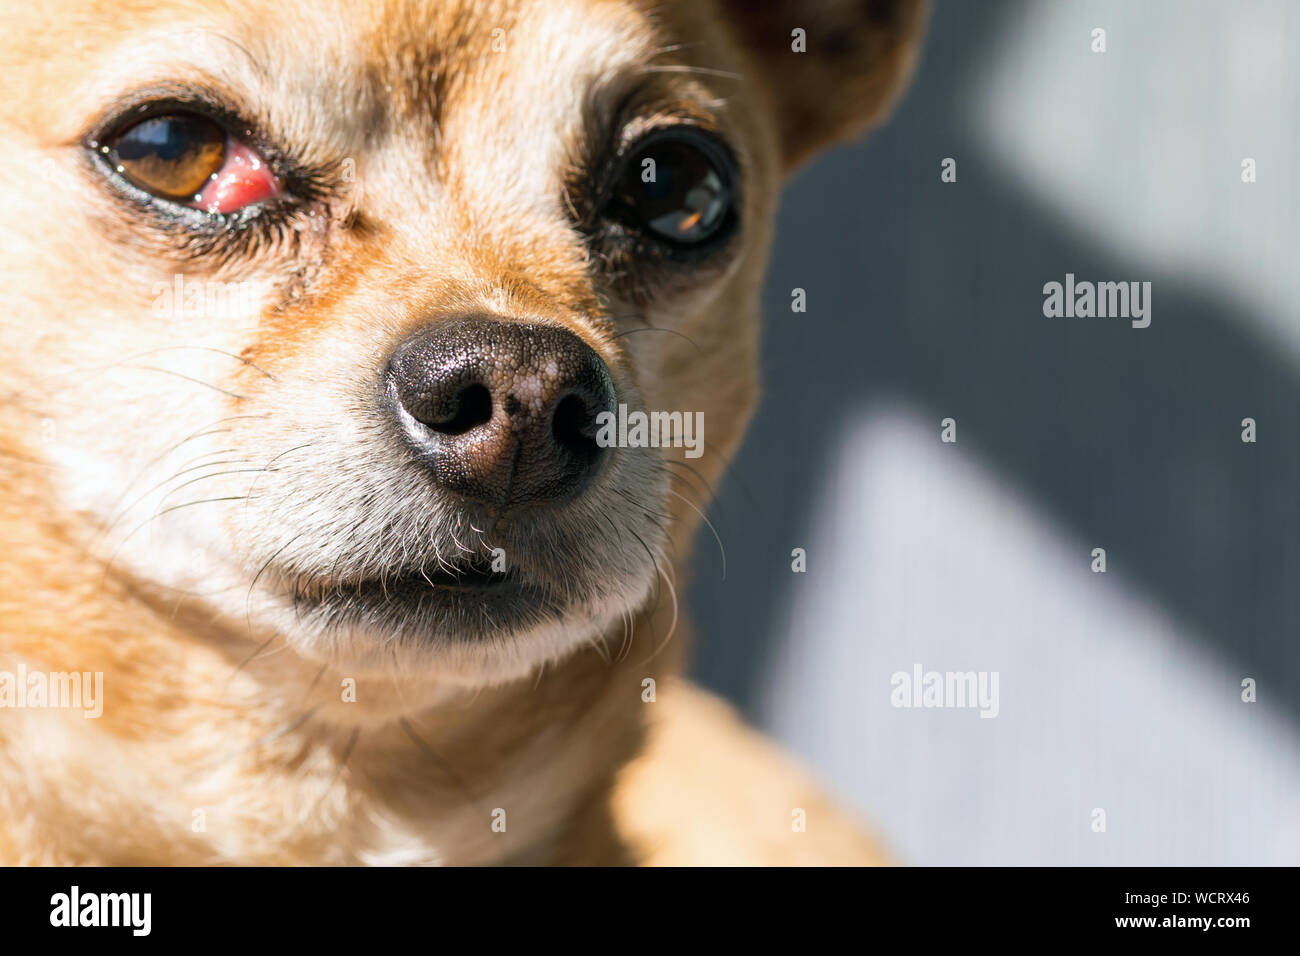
x,y
468,598
476,573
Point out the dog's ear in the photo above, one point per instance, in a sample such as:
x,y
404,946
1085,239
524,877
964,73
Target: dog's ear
x,y
831,69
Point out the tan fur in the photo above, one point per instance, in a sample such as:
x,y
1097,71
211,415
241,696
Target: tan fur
x,y
217,699
709,791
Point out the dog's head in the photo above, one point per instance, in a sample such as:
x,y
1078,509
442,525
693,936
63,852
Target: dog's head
x,y
314,313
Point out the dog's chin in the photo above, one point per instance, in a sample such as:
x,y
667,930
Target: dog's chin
x,y
468,624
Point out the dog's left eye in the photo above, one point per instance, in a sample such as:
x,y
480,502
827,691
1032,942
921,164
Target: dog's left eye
x,y
190,160
677,185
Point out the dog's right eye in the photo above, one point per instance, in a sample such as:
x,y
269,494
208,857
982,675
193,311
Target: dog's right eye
x,y
190,160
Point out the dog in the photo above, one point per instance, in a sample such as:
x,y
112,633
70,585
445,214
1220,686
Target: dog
x,y
311,314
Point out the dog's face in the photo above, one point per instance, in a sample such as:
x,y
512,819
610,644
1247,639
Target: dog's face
x,y
312,310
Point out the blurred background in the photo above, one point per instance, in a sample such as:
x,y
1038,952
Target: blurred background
x,y
1119,691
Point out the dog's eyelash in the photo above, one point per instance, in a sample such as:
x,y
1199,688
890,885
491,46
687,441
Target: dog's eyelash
x,y
634,266
219,239
194,233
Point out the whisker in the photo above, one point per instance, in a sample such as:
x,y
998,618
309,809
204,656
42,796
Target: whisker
x,y
267,467
672,628
215,474
629,636
206,430
710,500
686,68
597,643
248,600
199,348
288,728
187,592
653,561
699,495
188,378
256,64
123,512
657,328
392,674
201,501
713,493
121,544
626,497
613,527
706,520
247,660
314,681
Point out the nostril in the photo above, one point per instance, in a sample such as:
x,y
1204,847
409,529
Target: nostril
x,y
472,408
573,426
499,411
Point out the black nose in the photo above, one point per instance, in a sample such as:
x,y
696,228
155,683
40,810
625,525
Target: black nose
x,y
502,412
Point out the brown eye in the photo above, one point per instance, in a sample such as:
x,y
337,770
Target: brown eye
x,y
171,156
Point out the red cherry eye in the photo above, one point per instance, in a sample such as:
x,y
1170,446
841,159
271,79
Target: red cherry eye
x,y
190,160
243,179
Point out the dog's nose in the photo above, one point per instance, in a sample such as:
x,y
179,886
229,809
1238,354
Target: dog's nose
x,y
502,412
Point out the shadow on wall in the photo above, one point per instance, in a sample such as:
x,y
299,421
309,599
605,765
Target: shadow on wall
x,y
1129,438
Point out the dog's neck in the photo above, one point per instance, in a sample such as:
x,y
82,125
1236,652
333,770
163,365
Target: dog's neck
x,y
218,749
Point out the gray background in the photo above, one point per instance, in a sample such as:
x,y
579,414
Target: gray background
x,y
1118,691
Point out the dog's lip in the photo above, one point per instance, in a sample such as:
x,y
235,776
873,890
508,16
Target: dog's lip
x,y
461,603
444,582
471,576
464,578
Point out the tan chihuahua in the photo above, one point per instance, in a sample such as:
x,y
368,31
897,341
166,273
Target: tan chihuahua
x,y
319,543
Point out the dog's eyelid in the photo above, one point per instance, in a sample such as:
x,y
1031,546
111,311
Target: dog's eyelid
x,y
298,189
141,103
225,109
637,130
675,114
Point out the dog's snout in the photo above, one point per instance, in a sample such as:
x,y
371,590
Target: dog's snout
x,y
502,412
